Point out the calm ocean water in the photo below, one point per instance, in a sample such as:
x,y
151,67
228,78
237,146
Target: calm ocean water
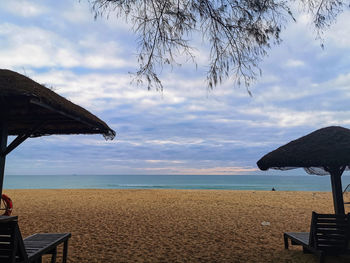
x,y
220,182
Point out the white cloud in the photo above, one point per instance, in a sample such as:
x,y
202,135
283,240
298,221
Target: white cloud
x,y
342,81
337,35
78,13
268,78
284,92
34,47
23,8
115,89
283,117
204,171
294,63
165,161
176,141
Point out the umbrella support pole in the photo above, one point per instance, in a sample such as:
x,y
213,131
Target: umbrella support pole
x,y
3,146
20,138
337,191
4,149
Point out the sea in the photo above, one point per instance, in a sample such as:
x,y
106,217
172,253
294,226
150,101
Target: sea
x,y
214,182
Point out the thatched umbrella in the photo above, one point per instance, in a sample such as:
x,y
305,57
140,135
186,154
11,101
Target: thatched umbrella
x,y
325,151
28,109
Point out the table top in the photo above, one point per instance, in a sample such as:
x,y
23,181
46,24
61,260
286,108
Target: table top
x,y
8,218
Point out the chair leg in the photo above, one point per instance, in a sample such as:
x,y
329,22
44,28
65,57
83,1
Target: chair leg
x,y
65,251
322,257
54,255
285,241
306,250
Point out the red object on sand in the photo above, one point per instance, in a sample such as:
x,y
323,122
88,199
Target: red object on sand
x,y
8,204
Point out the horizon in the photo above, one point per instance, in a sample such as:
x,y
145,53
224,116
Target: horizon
x,y
186,129
259,173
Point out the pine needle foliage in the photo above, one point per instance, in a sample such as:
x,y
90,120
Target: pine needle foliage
x,y
237,32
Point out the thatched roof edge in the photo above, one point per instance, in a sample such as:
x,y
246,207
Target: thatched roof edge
x,y
326,147
13,84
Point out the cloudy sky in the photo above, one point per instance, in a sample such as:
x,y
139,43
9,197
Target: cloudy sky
x,y
184,130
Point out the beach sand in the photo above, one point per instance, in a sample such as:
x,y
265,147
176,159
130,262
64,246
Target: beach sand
x,y
172,225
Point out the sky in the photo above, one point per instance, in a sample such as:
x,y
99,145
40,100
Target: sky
x,y
186,129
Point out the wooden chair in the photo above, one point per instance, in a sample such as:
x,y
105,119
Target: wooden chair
x,y
14,249
329,235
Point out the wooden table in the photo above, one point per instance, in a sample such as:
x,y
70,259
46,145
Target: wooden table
x,y
4,219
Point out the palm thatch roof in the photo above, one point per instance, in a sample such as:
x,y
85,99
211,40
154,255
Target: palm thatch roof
x,y
319,150
25,104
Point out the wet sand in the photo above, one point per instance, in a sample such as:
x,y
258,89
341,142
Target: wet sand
x,y
172,225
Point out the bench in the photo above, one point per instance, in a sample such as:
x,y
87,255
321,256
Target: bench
x,y
329,235
14,249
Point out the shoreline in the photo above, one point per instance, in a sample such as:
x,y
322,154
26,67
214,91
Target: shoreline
x,y
167,225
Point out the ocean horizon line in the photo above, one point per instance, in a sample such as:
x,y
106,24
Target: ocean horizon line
x,y
122,174
214,182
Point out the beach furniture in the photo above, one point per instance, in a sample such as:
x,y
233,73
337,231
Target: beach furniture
x,y
346,195
30,249
324,151
29,109
329,235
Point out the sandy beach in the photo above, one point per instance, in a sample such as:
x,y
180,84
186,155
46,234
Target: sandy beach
x,y
172,225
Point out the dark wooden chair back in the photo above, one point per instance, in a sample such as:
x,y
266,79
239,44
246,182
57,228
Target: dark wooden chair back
x,y
12,248
329,232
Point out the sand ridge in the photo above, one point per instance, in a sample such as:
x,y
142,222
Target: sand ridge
x,y
172,225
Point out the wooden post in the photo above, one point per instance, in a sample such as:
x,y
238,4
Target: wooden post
x,y
337,191
3,144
